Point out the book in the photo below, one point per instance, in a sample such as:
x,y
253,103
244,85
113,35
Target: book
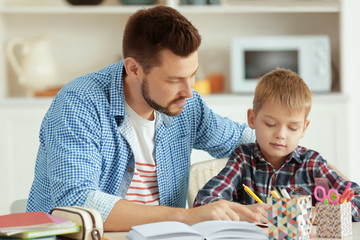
x,y
53,237
209,230
46,232
37,229
28,219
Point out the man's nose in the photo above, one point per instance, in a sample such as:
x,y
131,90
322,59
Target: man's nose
x,y
187,90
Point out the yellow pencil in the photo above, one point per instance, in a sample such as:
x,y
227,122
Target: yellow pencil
x,y
248,190
275,194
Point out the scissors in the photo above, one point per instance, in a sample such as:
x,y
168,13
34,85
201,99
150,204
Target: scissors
x,y
332,196
347,195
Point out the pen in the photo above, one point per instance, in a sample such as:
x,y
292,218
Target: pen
x,y
248,190
285,193
278,190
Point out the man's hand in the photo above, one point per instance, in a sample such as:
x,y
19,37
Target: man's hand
x,y
225,210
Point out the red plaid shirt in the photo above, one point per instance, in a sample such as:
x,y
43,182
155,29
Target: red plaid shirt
x,y
297,175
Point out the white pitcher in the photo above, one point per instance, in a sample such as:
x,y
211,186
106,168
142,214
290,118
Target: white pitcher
x,y
33,62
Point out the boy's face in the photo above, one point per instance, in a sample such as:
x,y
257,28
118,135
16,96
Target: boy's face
x,y
278,131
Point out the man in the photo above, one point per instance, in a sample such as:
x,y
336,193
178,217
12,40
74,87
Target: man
x,y
119,140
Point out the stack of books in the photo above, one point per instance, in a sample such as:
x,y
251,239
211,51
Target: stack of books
x,y
35,225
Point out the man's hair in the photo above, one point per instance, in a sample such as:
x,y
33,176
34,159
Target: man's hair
x,y
149,31
283,86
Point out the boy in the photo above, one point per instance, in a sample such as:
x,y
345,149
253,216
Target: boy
x,y
281,106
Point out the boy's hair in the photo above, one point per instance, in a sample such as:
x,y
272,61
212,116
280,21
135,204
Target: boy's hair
x,y
283,86
149,31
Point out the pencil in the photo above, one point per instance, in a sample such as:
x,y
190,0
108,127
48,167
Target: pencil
x,y
275,194
276,190
248,190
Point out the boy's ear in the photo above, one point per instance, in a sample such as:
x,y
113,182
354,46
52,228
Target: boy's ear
x,y
251,118
306,124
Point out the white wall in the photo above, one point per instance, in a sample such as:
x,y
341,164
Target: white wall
x,y
350,72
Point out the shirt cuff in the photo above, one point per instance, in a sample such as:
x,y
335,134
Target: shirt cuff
x,y
102,202
206,200
248,136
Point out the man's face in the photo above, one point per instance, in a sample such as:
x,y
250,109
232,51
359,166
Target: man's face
x,y
166,87
278,131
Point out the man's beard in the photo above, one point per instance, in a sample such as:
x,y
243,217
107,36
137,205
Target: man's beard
x,y
153,104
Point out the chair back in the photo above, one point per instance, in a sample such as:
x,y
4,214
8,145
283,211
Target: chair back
x,y
18,206
201,173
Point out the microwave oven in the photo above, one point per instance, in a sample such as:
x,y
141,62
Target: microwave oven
x,y
308,56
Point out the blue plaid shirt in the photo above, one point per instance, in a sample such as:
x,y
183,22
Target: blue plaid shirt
x,y
85,156
297,175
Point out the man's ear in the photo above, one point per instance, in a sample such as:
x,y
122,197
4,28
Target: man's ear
x,y
306,124
132,67
251,118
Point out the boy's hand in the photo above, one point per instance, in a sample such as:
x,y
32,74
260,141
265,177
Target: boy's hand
x,y
225,210
259,213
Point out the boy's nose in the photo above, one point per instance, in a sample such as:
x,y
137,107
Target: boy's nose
x,y
280,134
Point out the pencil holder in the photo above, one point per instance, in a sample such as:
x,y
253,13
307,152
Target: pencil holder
x,y
289,218
333,220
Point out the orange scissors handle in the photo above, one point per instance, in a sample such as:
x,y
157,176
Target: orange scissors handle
x,y
346,196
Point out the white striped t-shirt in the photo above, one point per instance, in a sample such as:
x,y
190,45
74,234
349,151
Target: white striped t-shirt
x,y
144,186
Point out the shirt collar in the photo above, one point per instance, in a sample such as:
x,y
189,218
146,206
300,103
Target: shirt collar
x,y
117,96
296,155
167,120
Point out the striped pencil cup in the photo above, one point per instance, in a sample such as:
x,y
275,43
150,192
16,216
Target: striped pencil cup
x,y
289,218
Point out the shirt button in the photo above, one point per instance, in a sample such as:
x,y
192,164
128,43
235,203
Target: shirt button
x,y
357,215
297,190
130,169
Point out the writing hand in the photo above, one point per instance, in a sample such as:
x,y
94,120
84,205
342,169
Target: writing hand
x,y
225,210
259,213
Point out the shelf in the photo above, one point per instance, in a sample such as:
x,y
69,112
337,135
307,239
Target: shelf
x,y
212,98
267,7
62,23
278,6
13,102
230,98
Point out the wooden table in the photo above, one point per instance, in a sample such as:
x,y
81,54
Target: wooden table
x,y
355,236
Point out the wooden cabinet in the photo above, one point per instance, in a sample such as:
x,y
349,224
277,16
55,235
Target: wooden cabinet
x,y
19,141
20,123
87,38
